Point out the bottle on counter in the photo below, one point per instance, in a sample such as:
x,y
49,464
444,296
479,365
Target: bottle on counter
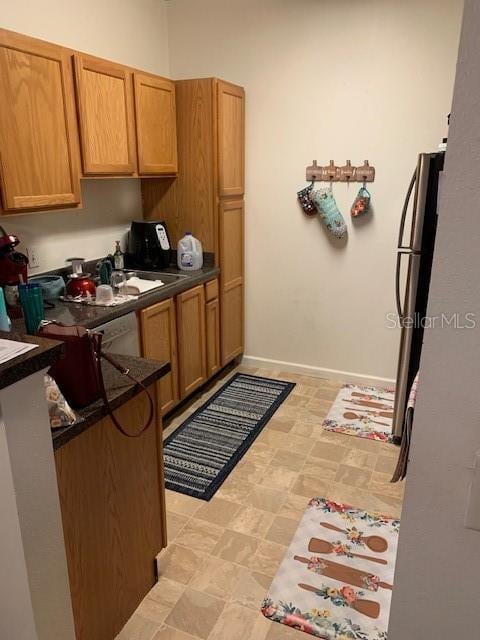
x,y
189,253
5,322
118,261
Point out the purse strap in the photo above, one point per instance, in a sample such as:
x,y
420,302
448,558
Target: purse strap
x,y
99,354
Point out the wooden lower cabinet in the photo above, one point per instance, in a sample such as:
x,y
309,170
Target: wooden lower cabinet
x,y
192,356
158,330
232,215
113,509
212,324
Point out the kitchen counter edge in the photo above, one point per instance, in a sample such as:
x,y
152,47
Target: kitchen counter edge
x,y
120,390
43,356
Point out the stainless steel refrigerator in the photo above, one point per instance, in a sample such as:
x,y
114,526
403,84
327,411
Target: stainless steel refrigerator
x,y
416,242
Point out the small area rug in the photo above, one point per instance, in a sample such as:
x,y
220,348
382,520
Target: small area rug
x,y
200,454
335,580
366,412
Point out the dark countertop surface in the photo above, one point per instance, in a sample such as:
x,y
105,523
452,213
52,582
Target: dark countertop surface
x,y
44,355
119,390
70,313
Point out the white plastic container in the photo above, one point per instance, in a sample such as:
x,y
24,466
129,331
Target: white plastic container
x,y
189,253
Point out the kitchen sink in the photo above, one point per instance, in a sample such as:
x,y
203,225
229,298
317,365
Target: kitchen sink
x,y
166,278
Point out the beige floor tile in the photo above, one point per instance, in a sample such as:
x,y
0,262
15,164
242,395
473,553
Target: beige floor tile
x,y
282,530
319,405
251,589
298,401
268,557
360,458
166,592
294,507
175,524
265,499
216,577
251,521
153,610
328,451
281,424
217,511
240,623
320,468
386,464
179,563
304,429
353,476
385,505
250,470
278,477
235,489
326,393
236,547
296,443
289,459
304,390
199,535
380,483
169,633
349,495
310,487
181,504
138,628
195,613
259,453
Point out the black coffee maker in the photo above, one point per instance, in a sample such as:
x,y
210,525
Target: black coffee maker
x,y
148,246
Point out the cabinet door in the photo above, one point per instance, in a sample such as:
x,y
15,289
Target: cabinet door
x,y
231,139
105,110
112,497
159,342
212,317
156,125
191,339
232,215
38,135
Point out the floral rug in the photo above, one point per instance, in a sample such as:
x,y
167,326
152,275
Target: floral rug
x,y
335,581
366,412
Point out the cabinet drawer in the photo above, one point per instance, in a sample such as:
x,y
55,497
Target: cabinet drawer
x,y
211,290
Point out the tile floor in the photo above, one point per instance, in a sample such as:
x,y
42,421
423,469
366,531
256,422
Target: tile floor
x,y
223,554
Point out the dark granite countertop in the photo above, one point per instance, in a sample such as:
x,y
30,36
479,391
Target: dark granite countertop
x,y
119,389
70,313
44,355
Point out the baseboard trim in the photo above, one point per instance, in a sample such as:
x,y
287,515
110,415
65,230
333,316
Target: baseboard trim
x,y
317,372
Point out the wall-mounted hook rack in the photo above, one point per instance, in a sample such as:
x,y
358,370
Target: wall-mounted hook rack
x,y
345,173
365,173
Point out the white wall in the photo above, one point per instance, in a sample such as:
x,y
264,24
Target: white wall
x,y
132,32
436,584
324,79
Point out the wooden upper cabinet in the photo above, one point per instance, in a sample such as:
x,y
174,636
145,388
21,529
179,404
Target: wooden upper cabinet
x,y
106,117
38,136
156,125
231,139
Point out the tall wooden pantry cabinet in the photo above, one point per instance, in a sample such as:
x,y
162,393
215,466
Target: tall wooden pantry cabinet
x,y
207,197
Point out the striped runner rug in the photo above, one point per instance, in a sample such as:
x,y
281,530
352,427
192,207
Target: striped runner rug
x,y
201,453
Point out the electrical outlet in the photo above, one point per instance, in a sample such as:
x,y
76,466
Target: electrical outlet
x,y
33,257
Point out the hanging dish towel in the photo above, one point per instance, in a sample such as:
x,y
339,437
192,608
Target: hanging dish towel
x,y
329,212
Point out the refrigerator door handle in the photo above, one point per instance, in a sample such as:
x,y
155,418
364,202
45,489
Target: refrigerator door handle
x,y
401,252
405,209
